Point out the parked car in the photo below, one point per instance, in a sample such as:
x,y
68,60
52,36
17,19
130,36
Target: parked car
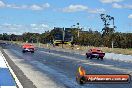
x,y
95,53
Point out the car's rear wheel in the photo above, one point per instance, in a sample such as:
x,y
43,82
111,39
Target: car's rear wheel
x,y
87,56
101,58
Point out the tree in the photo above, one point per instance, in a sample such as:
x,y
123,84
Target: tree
x,y
107,19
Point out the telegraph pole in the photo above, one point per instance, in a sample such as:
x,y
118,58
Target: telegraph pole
x,y
78,32
63,37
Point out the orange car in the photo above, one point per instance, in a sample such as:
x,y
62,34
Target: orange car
x,y
95,53
28,48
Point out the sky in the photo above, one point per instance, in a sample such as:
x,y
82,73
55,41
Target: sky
x,y
38,16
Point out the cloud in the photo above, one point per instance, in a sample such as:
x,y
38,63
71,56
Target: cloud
x,y
13,6
78,8
46,5
119,6
110,1
39,7
115,5
2,4
130,16
128,6
74,8
35,7
96,11
30,7
20,29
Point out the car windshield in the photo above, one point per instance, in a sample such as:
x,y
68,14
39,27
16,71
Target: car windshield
x,y
98,50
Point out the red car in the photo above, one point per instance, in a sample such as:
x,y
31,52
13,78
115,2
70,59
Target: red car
x,y
95,53
28,48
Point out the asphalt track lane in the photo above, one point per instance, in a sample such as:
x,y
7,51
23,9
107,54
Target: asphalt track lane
x,y
125,65
67,66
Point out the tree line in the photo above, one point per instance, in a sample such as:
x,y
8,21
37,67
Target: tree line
x,y
86,38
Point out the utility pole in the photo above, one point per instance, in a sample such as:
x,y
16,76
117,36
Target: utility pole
x,y
78,32
63,37
38,43
112,45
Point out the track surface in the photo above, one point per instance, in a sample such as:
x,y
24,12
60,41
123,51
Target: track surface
x,y
57,69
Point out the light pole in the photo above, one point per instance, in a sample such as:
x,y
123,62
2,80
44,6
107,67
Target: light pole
x,y
63,36
78,32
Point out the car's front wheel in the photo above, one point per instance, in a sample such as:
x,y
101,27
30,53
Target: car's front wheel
x,y
32,51
90,57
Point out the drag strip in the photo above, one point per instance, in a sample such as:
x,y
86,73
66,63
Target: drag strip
x,y
61,68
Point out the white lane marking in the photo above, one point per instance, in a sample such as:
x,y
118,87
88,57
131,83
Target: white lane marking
x,y
2,63
91,63
99,64
13,74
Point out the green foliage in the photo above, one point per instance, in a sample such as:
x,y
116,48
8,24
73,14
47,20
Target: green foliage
x,y
87,38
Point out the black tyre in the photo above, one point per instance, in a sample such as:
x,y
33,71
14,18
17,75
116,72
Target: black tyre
x,y
87,56
32,51
23,51
90,57
101,58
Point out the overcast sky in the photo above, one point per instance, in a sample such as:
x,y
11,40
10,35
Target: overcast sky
x,y
19,16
